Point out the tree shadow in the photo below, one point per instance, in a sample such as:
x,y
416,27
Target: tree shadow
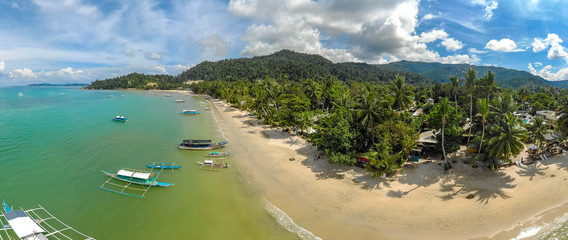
x,y
239,116
274,134
481,186
532,170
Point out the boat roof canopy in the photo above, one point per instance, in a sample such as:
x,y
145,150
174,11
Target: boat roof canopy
x,y
22,224
141,175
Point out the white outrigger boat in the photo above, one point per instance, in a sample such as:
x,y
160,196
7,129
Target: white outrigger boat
x,y
145,179
35,224
211,164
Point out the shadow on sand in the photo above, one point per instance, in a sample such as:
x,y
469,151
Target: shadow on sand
x,y
483,186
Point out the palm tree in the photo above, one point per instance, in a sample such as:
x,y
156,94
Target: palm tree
x,y
507,140
537,130
367,110
444,112
313,91
401,93
491,83
483,109
503,103
470,77
455,81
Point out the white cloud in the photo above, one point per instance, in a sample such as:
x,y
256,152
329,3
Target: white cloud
x,y
22,73
547,74
161,69
2,66
456,59
214,47
538,45
428,17
503,45
152,56
476,51
452,44
427,37
553,41
129,52
376,31
489,8
65,72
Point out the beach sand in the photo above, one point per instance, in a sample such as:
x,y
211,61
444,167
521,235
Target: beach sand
x,y
336,202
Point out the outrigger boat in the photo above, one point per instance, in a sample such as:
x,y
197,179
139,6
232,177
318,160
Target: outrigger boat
x,y
201,145
119,118
218,154
180,100
35,223
211,164
132,176
189,112
162,166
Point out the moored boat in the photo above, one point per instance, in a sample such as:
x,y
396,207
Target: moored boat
x,y
189,112
140,177
200,145
218,154
180,100
119,118
35,223
211,164
162,166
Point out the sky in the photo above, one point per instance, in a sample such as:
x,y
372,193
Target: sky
x,y
79,41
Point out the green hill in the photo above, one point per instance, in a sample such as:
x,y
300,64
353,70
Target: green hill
x,y
297,66
507,78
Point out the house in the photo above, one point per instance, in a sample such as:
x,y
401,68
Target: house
x,y
548,115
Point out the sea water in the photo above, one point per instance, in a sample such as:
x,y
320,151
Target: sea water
x,y
54,142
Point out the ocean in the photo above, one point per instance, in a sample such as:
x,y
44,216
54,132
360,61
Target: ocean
x,y
54,142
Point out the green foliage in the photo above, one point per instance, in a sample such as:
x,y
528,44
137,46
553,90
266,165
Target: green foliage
x,y
138,81
341,159
334,132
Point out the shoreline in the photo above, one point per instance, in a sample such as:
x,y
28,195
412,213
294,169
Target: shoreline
x,y
336,202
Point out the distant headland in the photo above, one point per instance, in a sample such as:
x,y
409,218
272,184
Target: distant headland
x,y
57,85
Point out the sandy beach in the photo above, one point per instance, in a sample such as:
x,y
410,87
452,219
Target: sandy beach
x,y
336,202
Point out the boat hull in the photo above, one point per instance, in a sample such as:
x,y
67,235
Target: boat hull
x,y
163,167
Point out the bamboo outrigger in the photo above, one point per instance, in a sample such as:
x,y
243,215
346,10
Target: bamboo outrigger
x,y
212,164
144,179
35,223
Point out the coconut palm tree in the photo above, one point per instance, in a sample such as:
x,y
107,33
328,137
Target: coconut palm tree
x,y
483,109
536,131
444,112
502,104
470,77
401,93
455,81
367,110
507,141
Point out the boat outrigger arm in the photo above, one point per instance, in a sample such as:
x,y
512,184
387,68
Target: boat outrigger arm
x,y
144,179
30,225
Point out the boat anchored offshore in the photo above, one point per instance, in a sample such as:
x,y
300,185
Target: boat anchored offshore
x,y
145,179
200,145
119,118
218,154
212,164
180,100
161,166
34,224
189,112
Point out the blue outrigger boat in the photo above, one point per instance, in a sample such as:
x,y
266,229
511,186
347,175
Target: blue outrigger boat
x,y
218,154
35,223
119,118
189,112
159,167
132,176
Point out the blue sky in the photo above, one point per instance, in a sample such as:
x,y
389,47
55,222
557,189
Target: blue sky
x,y
82,40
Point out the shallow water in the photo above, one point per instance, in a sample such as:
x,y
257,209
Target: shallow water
x,y
54,142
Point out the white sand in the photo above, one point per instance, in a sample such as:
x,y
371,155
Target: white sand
x,y
422,202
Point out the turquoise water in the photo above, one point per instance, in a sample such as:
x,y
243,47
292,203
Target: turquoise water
x,y
54,142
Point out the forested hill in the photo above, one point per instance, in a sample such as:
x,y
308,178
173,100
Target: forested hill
x,y
507,78
301,66
296,66
559,84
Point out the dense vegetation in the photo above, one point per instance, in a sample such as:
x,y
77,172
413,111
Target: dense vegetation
x,y
373,120
139,81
